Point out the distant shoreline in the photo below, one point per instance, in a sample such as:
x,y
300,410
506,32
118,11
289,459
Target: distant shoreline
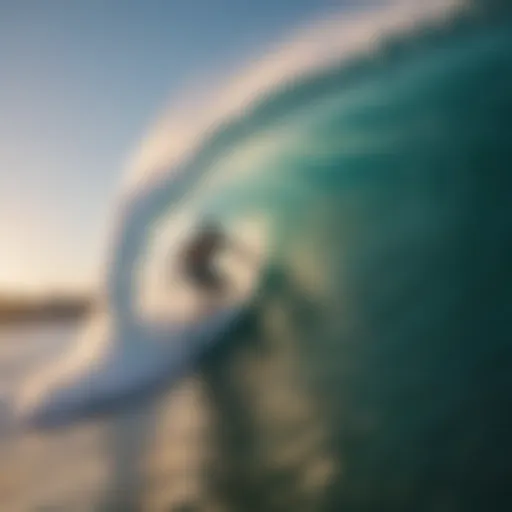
x,y
24,311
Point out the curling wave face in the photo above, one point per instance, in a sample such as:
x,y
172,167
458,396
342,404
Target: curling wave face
x,y
374,371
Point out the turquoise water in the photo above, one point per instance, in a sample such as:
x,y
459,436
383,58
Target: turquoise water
x,y
376,373
373,370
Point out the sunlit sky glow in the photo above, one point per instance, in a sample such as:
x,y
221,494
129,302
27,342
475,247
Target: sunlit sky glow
x,y
80,84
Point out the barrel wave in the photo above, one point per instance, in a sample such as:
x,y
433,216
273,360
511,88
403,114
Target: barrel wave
x,y
373,372
373,368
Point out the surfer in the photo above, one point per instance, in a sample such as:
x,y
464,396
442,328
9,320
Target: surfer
x,y
200,256
199,259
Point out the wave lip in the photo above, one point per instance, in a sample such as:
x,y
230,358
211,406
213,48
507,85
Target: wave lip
x,y
198,112
132,364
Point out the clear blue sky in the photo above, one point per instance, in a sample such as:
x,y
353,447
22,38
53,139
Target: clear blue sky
x,y
80,82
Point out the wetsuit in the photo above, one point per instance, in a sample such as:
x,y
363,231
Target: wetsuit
x,y
199,261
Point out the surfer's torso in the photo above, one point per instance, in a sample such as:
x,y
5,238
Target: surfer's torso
x,y
199,256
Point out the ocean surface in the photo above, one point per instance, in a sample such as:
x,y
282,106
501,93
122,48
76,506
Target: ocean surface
x,y
147,457
373,369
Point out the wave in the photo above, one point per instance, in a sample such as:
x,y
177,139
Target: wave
x,y
373,366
